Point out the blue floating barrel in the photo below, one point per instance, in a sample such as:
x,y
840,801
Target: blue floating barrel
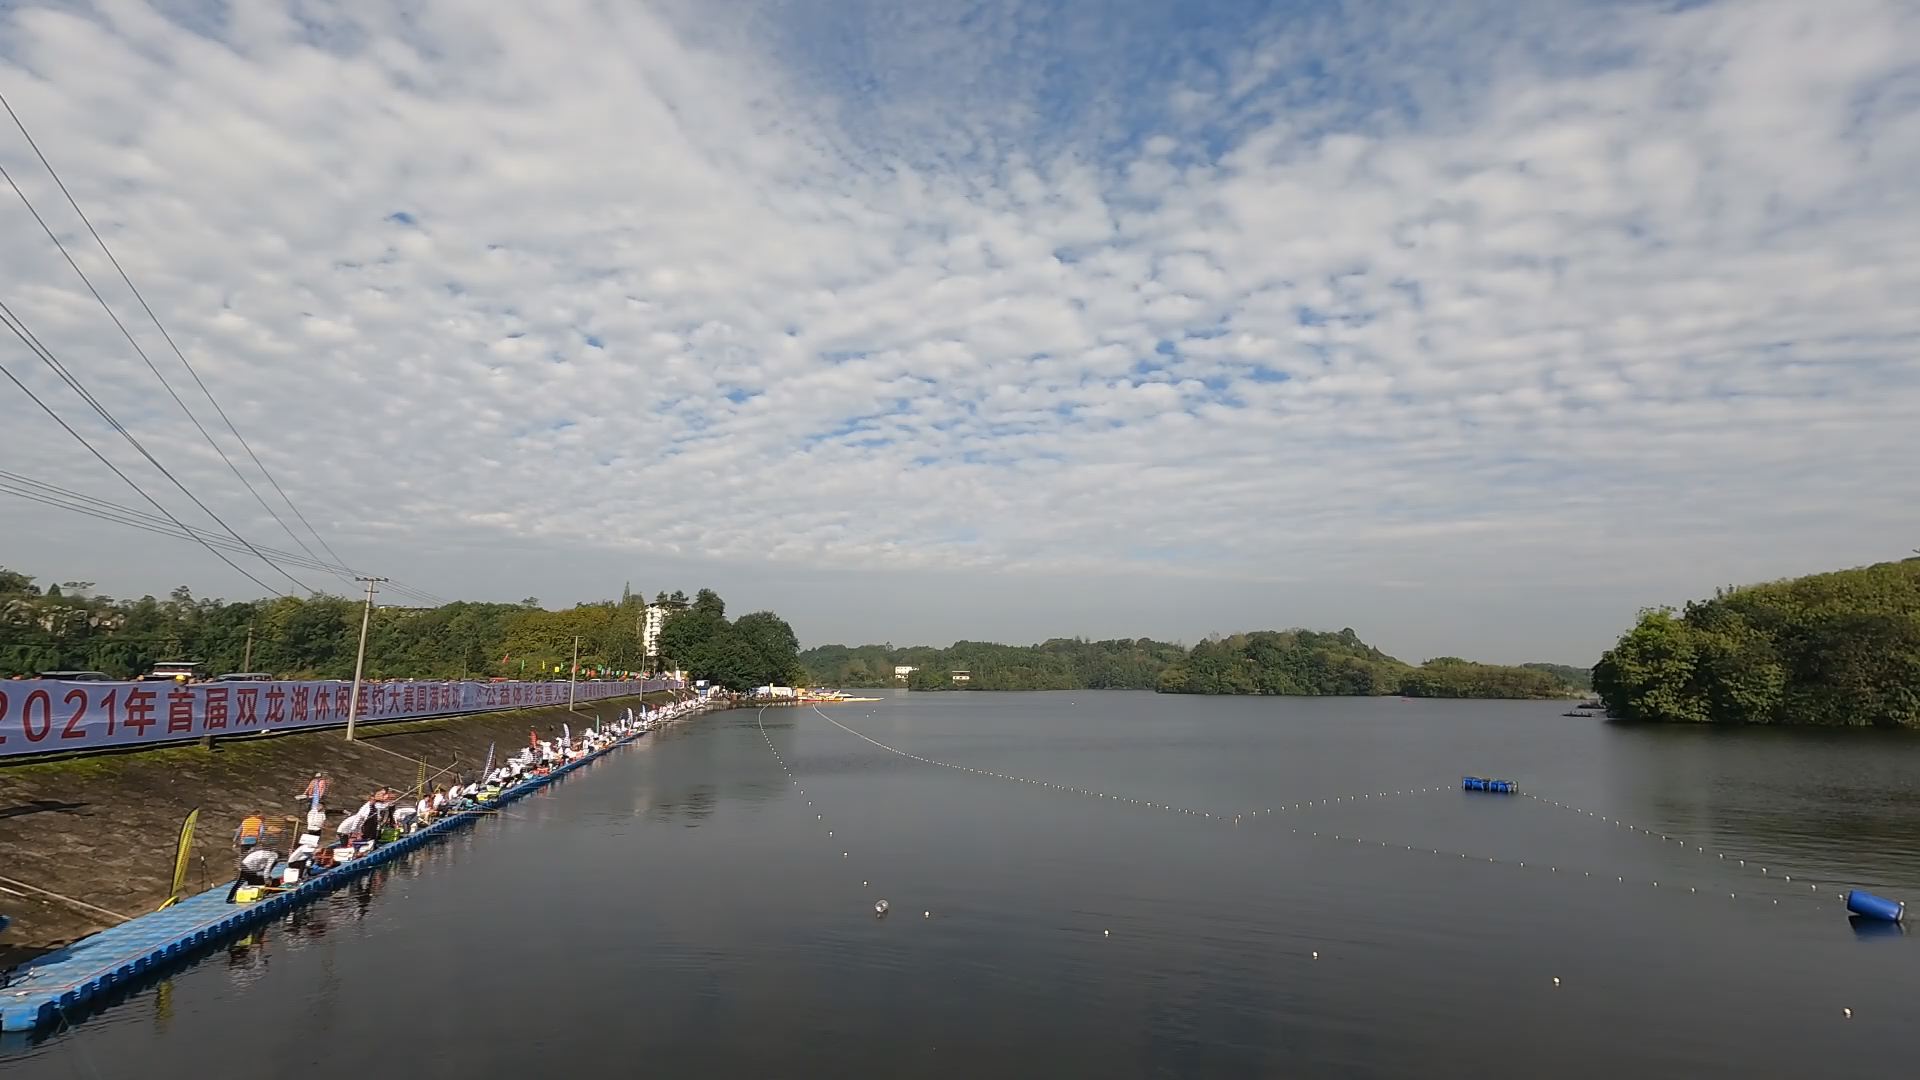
x,y
1862,902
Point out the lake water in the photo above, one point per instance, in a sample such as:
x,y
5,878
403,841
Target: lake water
x,y
684,907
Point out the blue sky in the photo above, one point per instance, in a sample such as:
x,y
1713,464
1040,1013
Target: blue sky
x,y
1474,327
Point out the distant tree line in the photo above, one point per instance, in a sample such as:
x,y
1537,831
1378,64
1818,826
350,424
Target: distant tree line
x,y
757,649
1840,649
71,627
1296,662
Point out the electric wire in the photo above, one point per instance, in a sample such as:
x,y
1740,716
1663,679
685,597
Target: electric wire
x,y
44,407
171,344
80,502
27,488
142,353
20,330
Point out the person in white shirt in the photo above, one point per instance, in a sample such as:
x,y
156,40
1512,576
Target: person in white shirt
x,y
351,825
253,870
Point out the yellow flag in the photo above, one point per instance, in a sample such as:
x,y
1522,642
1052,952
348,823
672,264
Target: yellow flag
x,y
180,859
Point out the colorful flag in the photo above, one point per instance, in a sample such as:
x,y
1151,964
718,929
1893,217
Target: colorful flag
x,y
181,856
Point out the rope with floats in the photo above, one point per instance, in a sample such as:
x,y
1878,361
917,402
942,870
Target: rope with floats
x,y
880,905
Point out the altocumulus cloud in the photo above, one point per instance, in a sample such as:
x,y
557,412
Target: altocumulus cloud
x,y
1400,304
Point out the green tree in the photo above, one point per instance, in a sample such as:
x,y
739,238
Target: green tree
x,y
1839,648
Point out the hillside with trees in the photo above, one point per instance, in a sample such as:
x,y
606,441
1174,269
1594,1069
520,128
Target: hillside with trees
x,y
754,650
1835,649
1293,662
69,626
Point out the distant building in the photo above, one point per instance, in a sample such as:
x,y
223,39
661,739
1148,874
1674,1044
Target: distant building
x,y
962,676
901,671
650,627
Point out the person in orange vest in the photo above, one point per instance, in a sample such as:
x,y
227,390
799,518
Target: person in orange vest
x,y
248,834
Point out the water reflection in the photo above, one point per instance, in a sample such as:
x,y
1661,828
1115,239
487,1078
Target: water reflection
x,y
1875,929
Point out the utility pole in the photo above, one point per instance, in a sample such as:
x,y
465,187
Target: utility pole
x,y
247,663
360,661
573,677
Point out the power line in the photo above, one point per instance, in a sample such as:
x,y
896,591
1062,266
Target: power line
x,y
41,488
14,323
80,502
142,353
116,471
184,362
53,495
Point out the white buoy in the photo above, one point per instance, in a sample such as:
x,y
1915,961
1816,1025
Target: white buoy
x,y
880,907
1106,933
1556,980
926,914
1316,954
1848,1013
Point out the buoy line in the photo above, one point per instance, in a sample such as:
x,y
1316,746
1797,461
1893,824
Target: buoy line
x,y
1561,870
1767,868
1521,864
1553,869
881,906
1224,817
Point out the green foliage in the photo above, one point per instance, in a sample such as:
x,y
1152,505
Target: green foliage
x,y
1300,662
1578,678
1839,649
754,650
1059,664
1265,662
1461,679
317,637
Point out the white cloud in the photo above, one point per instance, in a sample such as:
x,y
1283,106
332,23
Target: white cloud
x,y
1614,306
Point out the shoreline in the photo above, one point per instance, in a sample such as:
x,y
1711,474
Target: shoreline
x,y
93,970
101,829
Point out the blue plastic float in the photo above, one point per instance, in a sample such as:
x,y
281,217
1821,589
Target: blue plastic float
x,y
1865,904
1477,783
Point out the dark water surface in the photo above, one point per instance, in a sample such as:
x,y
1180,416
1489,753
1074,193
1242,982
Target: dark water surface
x,y
678,909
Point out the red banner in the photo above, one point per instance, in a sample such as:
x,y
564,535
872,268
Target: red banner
x,y
40,716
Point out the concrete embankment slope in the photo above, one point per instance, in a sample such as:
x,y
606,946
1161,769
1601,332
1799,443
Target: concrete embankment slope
x,y
103,830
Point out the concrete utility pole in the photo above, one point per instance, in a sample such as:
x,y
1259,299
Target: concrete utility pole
x,y
573,677
360,661
246,664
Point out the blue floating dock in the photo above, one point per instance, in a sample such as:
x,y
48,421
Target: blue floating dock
x,y
1477,783
128,954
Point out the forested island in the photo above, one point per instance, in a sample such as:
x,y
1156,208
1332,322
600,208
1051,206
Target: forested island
x,y
1292,662
69,626
1837,649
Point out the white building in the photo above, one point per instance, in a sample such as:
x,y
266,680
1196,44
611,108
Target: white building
x,y
650,627
901,671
